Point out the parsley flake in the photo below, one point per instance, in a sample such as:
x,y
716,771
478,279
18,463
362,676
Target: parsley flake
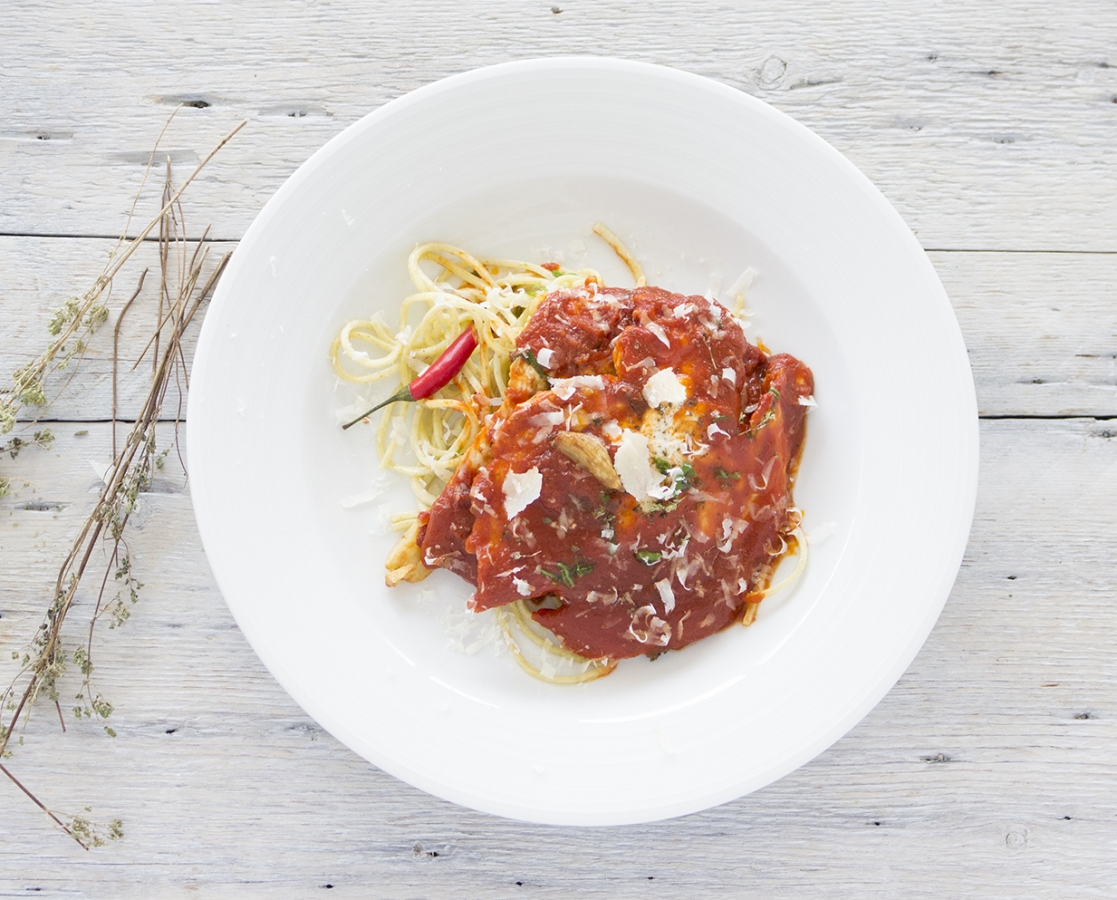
x,y
529,357
768,416
566,574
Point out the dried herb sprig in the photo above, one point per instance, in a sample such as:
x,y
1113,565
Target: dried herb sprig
x,y
45,659
74,323
41,438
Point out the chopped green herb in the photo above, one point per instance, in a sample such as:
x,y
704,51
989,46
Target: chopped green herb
x,y
775,393
530,359
566,574
768,416
727,476
649,557
683,476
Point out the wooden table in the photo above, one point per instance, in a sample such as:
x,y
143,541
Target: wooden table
x,y
991,768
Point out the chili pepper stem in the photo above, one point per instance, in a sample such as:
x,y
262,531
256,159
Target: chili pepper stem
x,y
403,394
436,376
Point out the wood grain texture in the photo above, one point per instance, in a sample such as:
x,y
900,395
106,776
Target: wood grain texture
x,y
989,767
989,770
1040,328
37,275
989,126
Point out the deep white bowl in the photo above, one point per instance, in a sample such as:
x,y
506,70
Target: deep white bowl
x,y
701,181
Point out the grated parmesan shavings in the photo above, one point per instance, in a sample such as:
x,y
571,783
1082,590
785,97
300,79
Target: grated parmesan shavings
x,y
521,489
564,388
657,329
664,387
743,282
666,594
634,466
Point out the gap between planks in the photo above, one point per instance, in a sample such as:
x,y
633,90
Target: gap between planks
x,y
76,236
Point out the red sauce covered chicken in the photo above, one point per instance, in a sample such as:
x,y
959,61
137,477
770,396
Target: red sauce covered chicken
x,y
635,485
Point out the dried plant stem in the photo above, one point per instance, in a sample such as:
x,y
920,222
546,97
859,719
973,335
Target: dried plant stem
x,y
116,350
87,313
39,803
128,476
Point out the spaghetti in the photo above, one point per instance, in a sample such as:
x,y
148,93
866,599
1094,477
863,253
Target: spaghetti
x,y
494,300
494,297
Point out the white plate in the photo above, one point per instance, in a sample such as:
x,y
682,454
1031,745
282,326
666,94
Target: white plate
x,y
701,181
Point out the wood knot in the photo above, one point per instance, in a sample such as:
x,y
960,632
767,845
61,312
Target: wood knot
x,y
771,72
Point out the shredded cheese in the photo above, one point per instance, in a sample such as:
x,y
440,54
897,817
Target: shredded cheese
x,y
657,329
744,280
634,467
521,489
664,387
666,594
564,388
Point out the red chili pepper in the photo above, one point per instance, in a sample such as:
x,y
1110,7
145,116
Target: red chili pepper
x,y
436,376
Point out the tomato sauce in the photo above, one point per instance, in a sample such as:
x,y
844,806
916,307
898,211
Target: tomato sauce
x,y
620,575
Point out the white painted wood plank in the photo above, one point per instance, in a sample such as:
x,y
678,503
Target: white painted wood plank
x,y
37,275
1041,329
989,767
987,127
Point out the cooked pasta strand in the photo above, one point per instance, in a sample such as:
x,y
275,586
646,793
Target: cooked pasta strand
x,y
622,251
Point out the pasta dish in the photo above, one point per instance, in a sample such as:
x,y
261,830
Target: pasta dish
x,y
611,468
